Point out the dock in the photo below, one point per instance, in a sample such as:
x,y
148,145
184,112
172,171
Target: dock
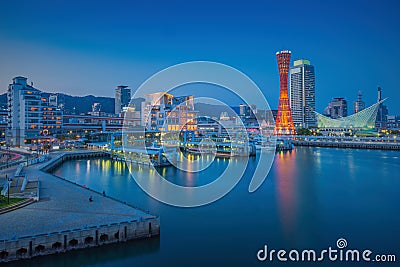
x,y
347,142
64,219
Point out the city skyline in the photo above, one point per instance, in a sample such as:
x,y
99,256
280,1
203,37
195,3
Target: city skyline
x,y
237,102
260,132
91,54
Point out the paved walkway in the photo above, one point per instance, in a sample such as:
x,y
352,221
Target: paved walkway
x,y
63,206
9,172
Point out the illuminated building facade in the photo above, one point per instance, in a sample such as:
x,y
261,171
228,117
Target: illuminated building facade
x,y
381,117
29,114
284,121
51,120
302,93
364,119
164,112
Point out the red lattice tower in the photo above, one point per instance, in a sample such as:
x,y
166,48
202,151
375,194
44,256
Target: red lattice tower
x,y
284,122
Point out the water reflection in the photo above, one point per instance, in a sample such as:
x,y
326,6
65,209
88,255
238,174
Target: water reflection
x,y
309,200
285,168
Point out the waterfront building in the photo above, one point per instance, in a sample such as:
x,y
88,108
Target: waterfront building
x,y
284,120
337,108
381,117
393,122
302,93
84,124
29,114
24,104
51,119
132,117
363,120
207,126
164,112
359,104
122,98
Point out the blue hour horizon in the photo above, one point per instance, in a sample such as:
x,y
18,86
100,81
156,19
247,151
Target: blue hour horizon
x,y
83,49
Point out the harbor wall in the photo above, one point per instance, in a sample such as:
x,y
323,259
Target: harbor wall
x,y
51,243
354,145
16,248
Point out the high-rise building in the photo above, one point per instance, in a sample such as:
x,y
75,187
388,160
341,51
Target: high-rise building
x,y
29,114
122,98
24,111
246,111
284,122
302,94
381,117
243,110
359,104
337,108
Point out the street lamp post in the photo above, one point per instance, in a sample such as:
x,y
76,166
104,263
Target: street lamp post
x,y
8,154
8,189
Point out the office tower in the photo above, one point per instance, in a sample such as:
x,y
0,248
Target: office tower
x,y
244,111
284,122
122,98
337,108
381,117
302,94
359,104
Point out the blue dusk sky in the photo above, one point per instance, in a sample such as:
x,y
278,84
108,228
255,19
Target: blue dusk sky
x,y
90,47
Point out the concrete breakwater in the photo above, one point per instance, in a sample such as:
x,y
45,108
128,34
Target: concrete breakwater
x,y
57,161
347,144
70,239
64,219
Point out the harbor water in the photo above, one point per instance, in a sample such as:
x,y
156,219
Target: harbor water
x,y
311,198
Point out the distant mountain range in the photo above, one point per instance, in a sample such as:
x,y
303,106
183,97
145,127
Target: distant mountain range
x,y
83,104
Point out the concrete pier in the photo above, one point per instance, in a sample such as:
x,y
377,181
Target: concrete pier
x,y
64,219
348,144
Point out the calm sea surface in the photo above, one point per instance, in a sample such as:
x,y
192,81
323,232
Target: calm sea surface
x,y
311,198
